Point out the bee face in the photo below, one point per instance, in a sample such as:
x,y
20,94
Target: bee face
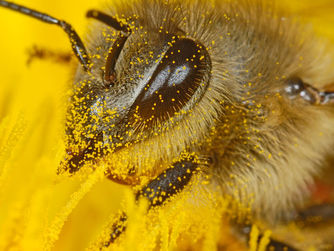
x,y
142,84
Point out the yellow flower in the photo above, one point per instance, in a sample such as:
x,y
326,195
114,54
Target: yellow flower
x,y
33,198
40,210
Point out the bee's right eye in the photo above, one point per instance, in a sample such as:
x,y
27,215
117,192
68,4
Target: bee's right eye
x,y
184,69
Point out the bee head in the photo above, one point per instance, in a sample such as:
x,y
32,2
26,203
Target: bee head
x,y
142,83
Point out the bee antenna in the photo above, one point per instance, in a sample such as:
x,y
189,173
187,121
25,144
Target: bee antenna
x,y
109,73
108,20
77,45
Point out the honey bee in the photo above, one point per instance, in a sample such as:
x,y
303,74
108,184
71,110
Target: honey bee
x,y
233,94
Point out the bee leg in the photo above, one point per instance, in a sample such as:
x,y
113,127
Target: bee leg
x,y
273,245
169,183
316,214
278,246
117,229
43,53
315,218
296,88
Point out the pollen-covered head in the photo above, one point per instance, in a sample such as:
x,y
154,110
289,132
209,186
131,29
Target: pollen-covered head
x,y
141,85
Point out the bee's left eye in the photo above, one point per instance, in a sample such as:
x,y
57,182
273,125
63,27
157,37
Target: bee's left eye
x,y
183,71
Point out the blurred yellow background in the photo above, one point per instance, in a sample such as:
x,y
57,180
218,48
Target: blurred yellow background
x,y
32,102
31,124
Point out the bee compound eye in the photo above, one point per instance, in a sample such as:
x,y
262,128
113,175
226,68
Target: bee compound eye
x,y
183,72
